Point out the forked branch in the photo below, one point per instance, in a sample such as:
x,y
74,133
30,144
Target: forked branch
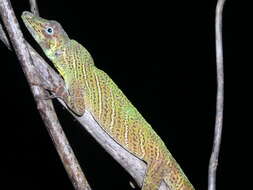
x,y
45,107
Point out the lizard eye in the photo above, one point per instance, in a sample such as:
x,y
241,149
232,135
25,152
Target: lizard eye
x,y
49,30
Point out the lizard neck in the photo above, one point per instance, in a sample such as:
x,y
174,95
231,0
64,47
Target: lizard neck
x,y
72,58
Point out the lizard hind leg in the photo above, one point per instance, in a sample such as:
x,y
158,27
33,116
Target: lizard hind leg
x,y
154,176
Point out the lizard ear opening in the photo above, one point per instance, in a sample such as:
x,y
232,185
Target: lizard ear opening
x,y
58,53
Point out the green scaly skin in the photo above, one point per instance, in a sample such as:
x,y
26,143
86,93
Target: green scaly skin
x,y
93,90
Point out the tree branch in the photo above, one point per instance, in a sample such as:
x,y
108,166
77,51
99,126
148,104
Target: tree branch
x,y
34,7
45,107
213,163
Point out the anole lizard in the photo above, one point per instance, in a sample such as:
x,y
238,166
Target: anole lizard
x,y
89,88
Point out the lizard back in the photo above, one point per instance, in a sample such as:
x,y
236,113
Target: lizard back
x,y
122,121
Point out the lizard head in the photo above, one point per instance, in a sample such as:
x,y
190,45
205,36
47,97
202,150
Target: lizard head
x,y
49,34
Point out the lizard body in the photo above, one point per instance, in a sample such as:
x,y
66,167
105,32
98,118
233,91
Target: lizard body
x,y
93,90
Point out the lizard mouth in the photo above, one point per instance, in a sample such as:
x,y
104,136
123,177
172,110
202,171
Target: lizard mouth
x,y
27,18
33,24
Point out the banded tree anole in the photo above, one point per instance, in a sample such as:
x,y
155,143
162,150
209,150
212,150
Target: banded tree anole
x,y
89,88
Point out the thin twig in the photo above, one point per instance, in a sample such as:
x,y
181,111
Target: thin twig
x,y
45,107
213,163
34,7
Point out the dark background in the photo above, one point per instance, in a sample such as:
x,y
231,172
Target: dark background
x,y
162,56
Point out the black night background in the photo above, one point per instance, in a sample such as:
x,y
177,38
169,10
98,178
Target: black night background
x,y
162,55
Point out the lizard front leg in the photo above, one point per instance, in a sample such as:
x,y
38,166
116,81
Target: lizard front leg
x,y
73,97
57,91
